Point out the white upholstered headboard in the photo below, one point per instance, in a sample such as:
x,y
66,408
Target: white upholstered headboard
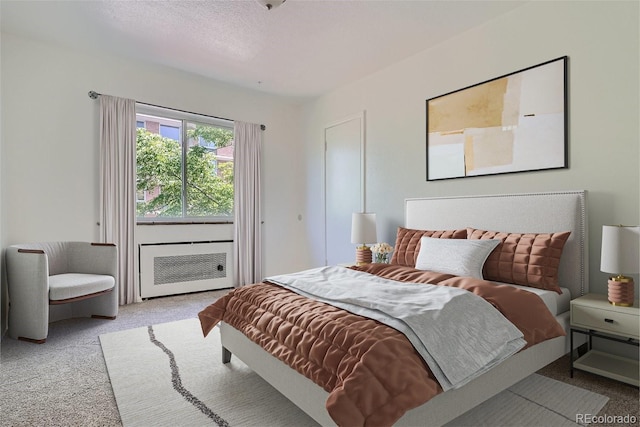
x,y
516,213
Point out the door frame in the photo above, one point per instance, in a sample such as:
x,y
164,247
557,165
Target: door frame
x,y
357,116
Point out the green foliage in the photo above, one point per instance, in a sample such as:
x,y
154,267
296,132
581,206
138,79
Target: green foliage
x,y
218,136
159,170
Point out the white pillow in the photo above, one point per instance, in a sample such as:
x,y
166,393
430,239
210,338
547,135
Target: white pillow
x,y
461,257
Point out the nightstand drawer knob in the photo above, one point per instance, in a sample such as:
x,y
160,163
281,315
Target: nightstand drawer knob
x,y
608,320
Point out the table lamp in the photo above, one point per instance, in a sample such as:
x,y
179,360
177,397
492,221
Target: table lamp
x,y
620,255
363,231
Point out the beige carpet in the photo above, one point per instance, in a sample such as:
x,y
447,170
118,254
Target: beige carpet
x,y
170,375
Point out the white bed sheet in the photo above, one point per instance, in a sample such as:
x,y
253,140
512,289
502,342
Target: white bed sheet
x,y
556,303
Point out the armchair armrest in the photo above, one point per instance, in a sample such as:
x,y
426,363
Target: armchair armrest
x,y
27,268
28,286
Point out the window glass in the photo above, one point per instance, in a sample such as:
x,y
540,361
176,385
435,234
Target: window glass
x,y
183,175
171,132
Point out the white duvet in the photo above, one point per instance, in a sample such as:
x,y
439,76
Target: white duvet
x,y
458,334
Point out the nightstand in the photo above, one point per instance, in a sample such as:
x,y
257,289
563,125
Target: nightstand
x,y
592,315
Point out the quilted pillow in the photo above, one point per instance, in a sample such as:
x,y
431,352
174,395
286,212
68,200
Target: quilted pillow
x,y
460,257
408,243
530,259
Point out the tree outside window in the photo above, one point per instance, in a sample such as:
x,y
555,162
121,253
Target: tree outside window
x,y
177,180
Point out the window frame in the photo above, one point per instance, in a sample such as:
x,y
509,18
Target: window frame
x,y
184,117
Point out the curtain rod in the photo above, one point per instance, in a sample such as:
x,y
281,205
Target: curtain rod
x,y
95,95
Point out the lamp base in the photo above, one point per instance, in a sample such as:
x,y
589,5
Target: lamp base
x,y
363,255
620,291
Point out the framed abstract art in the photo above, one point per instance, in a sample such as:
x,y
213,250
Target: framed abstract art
x,y
513,123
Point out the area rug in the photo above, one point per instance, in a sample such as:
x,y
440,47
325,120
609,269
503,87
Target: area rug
x,y
169,375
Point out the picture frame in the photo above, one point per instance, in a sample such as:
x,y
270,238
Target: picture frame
x,y
513,123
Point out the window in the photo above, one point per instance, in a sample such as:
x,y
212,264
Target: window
x,y
184,166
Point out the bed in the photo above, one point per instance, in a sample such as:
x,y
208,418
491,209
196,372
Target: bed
x,y
555,213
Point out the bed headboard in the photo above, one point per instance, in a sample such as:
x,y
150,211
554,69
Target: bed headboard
x,y
516,213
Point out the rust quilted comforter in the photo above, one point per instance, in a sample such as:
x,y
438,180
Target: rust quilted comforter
x,y
372,373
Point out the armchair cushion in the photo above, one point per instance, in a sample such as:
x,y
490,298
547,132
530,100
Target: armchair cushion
x,y
73,285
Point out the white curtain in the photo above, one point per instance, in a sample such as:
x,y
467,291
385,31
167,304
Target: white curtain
x,y
117,186
247,242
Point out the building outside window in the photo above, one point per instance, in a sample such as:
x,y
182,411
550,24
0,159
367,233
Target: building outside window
x,y
184,166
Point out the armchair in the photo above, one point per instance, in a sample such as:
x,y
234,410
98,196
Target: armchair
x,y
81,275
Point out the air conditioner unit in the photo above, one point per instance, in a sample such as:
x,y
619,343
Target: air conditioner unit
x,y
178,268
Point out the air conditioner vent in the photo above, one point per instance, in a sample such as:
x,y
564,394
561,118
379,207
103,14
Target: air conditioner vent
x,y
177,268
185,268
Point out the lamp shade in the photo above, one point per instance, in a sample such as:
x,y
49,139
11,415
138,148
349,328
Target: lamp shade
x,y
620,249
363,228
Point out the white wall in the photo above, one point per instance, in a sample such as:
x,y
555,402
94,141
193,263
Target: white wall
x,y
601,40
50,145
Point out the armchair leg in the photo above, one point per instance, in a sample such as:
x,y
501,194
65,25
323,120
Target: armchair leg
x,y
31,340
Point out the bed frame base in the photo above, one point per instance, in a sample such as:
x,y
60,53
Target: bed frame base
x,y
226,355
443,408
300,390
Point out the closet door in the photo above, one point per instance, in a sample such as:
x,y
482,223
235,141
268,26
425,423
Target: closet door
x,y
344,186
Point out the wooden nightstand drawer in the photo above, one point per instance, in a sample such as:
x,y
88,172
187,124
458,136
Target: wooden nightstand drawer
x,y
605,320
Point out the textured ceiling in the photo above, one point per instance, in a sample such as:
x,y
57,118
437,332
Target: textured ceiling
x,y
300,49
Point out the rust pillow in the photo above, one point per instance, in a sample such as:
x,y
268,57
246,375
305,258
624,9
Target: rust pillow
x,y
408,243
527,259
